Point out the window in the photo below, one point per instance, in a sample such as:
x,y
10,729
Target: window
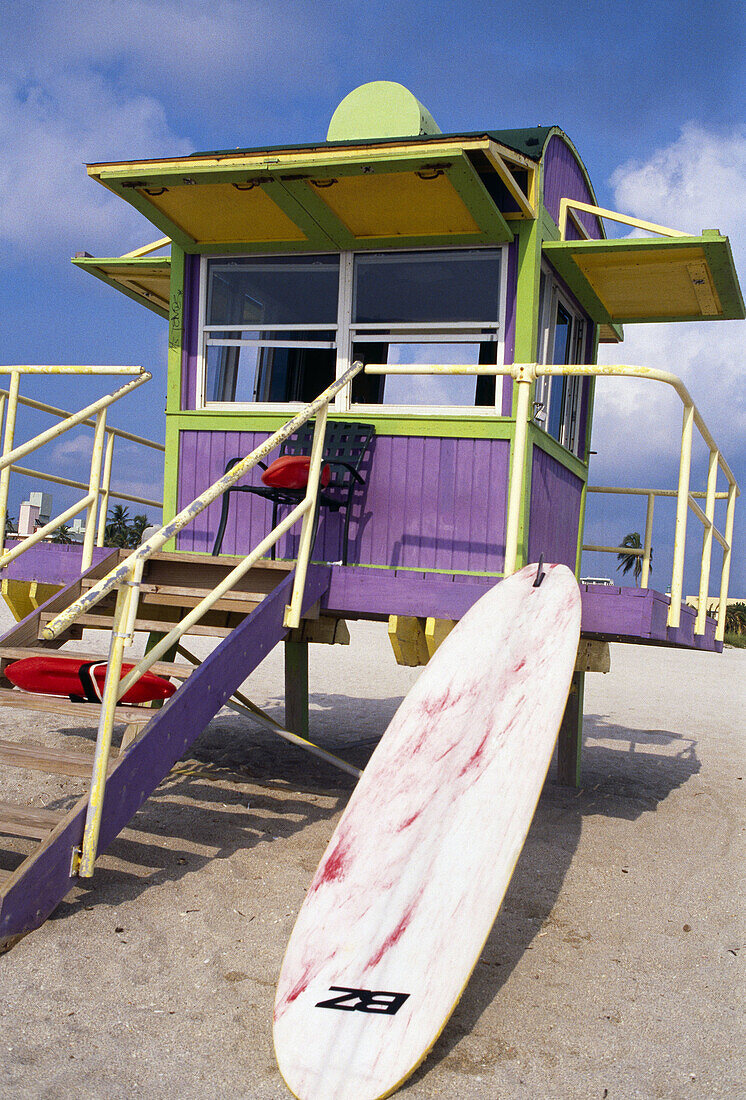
x,y
426,307
269,333
562,340
278,329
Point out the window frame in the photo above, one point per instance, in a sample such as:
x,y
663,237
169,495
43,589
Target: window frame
x,y
552,298
466,332
204,340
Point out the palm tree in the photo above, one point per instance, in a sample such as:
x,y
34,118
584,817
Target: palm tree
x,y
735,618
136,528
63,534
116,532
633,562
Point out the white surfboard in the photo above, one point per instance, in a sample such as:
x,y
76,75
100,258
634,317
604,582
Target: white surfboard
x,y
410,885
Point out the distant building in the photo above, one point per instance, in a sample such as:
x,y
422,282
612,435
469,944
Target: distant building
x,y
34,513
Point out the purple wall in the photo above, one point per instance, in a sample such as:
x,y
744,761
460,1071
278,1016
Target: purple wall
x,y
554,510
428,503
564,178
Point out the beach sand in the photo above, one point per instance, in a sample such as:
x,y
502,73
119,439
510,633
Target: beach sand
x,y
614,970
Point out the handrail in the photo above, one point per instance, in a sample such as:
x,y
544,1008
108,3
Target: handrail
x,y
93,415
126,578
119,574
120,433
524,375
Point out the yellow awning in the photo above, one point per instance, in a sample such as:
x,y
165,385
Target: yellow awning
x,y
420,193
146,280
629,280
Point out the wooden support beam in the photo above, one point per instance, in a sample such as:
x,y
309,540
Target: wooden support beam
x,y
407,637
24,821
570,740
436,632
593,656
296,686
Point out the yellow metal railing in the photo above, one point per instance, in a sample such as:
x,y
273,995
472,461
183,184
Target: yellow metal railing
x,y
99,490
127,576
524,375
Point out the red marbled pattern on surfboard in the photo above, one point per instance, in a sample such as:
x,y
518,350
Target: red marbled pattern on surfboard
x,y
417,867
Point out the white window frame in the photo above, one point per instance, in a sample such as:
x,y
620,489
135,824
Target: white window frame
x,y
204,340
554,296
436,333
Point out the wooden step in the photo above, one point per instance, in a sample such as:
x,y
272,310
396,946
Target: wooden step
x,y
175,595
40,758
93,621
160,668
182,557
23,821
58,704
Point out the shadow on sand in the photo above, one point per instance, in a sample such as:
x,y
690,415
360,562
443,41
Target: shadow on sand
x,y
203,802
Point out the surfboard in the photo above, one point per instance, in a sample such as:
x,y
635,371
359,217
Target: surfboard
x,y
81,680
409,887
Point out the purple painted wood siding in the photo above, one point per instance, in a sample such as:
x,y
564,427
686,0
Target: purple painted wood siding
x,y
629,614
554,510
428,502
563,178
190,346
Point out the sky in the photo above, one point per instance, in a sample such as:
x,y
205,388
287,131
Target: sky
x,y
651,93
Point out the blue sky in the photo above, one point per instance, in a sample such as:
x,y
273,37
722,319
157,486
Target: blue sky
x,y
652,94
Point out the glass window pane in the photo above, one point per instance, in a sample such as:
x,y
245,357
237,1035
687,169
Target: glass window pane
x,y
426,287
231,373
563,325
430,389
281,290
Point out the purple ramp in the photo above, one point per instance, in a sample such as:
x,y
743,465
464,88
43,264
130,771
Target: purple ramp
x,y
40,884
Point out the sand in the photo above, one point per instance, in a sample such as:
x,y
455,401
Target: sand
x,y
614,970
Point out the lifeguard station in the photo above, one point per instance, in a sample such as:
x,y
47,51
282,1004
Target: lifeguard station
x,y
417,312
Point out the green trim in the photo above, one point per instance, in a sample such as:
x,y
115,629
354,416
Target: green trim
x,y
92,264
422,569
440,240
426,426
527,291
314,229
478,202
175,330
147,173
155,217
549,444
524,526
299,195
171,476
718,256
173,385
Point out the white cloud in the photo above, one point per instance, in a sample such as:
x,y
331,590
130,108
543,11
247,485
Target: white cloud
x,y
695,183
699,181
48,131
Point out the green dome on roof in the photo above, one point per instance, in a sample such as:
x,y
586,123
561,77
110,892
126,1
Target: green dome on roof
x,y
381,109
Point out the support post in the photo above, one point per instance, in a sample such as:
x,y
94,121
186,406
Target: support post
x,y
8,439
570,740
296,686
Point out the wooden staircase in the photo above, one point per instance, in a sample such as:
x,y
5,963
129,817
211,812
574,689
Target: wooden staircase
x,y
248,623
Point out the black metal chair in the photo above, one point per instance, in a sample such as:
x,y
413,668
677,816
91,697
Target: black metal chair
x,y
345,446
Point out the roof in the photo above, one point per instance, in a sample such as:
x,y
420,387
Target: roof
x,y
528,141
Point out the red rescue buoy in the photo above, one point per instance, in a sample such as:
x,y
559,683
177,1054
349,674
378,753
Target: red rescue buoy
x,y
291,472
81,681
